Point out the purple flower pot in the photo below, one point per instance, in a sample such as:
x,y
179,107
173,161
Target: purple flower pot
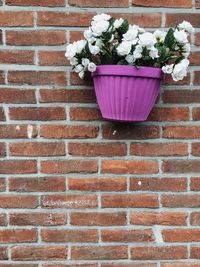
x,y
126,93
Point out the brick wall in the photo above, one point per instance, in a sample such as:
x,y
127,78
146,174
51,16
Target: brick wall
x,y
76,189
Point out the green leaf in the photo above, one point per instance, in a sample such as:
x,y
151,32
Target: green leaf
x,y
169,39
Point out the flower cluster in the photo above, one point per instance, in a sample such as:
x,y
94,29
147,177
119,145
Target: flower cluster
x,y
110,41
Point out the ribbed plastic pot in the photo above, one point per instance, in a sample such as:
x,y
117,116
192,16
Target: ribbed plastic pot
x,y
126,93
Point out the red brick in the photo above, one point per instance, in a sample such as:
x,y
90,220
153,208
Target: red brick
x,y
69,201
159,149
71,235
18,166
161,3
32,38
145,19
157,184
181,235
195,184
69,265
85,114
130,201
158,218
197,5
128,131
197,38
3,220
0,36
128,265
18,265
3,253
97,149
181,200
2,150
46,18
125,235
67,95
17,201
169,81
96,3
18,236
37,149
75,36
16,57
52,58
16,18
12,95
196,149
159,253
99,253
70,166
129,166
46,184
195,252
195,218
37,77
17,131
196,114
194,58
181,132
69,131
182,96
180,264
51,3
75,80
2,185
97,184
181,166
38,218
2,116
98,218
169,114
38,114
176,18
33,253
2,77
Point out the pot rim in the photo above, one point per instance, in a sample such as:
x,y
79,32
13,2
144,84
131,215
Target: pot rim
x,y
125,70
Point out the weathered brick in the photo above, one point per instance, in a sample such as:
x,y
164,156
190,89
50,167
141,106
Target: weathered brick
x,y
46,184
181,166
69,131
33,253
39,149
98,218
181,200
17,201
85,114
38,218
169,114
12,95
161,3
96,3
97,184
52,58
18,236
51,3
18,131
158,218
16,57
75,236
181,96
18,166
181,235
176,18
16,18
181,132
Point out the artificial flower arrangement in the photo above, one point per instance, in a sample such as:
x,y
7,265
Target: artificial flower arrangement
x,y
127,63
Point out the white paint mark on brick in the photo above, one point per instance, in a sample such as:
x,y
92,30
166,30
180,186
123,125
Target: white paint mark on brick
x,y
30,131
157,234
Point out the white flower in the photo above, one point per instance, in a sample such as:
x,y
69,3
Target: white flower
x,y
138,52
130,59
124,48
88,34
71,50
73,61
168,68
78,68
180,36
153,53
180,70
85,62
160,35
186,50
118,23
80,45
92,67
101,17
81,74
99,42
131,34
147,39
94,49
99,27
187,26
